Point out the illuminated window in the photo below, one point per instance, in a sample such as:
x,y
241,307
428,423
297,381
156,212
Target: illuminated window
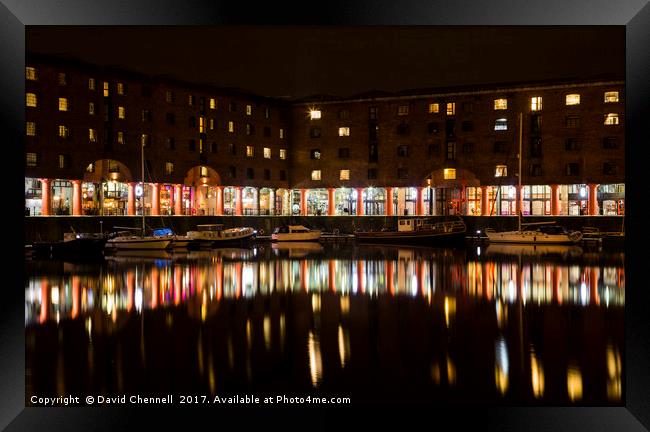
x,y
611,119
315,153
190,100
120,137
500,104
63,104
434,108
231,126
315,175
283,153
121,112
92,135
449,173
213,103
106,93
211,124
611,96
201,124
250,151
203,171
249,110
536,103
344,175
572,121
403,110
267,153
344,131
30,73
451,108
573,99
31,100
501,171
501,124
61,78
32,159
91,108
31,128
169,167
64,161
314,114
63,131
120,88
281,133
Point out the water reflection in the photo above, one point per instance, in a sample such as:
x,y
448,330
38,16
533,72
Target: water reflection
x,y
516,327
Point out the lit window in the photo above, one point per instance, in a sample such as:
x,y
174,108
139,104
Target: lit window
x,y
249,110
63,161
106,93
573,99
91,108
120,137
201,124
91,83
63,104
281,133
315,153
231,126
501,171
434,108
403,110
344,131
30,73
31,128
611,119
536,103
63,131
203,171
501,124
169,167
344,175
92,135
611,96
250,151
120,88
451,108
283,153
213,103
314,114
211,124
31,100
500,104
449,173
267,153
61,78
190,99
32,159
315,175
121,112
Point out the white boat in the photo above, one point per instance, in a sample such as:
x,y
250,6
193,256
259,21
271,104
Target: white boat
x,y
295,233
216,235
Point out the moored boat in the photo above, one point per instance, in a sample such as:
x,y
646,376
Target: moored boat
x,y
417,230
216,236
73,244
549,234
297,233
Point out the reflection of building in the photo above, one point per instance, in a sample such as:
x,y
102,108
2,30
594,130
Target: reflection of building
x,y
215,151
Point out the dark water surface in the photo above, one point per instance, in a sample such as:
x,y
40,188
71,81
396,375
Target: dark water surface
x,y
378,324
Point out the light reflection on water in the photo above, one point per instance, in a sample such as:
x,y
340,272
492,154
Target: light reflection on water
x,y
366,320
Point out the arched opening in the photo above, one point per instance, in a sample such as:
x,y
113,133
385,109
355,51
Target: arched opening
x,y
283,202
452,191
345,201
105,189
374,201
199,193
317,202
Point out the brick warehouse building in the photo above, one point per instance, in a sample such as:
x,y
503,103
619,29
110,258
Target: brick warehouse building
x,y
221,151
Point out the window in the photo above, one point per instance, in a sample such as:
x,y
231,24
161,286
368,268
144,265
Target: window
x,y
232,171
92,135
201,124
314,132
450,154
572,121
536,103
500,147
372,174
434,108
63,131
611,96
449,173
468,126
191,145
573,99
610,168
106,92
146,115
211,124
250,173
344,131
314,114
30,73
232,149
267,114
571,144
121,112
190,99
372,113
213,103
403,151
536,124
344,114
171,143
315,175
170,118
535,147
249,129
169,96
120,88
250,151
267,153
120,137
267,131
535,170
344,153
231,126
315,154
249,110
63,104
91,83
64,161
572,169
610,143
468,107
501,124
232,107
468,148
267,174
501,171
201,103
402,129
433,128
403,110
344,174
434,149
283,175
283,153
31,128
91,108
500,104
169,168
203,171
281,133
61,78
451,108
611,119
32,159
402,173
213,147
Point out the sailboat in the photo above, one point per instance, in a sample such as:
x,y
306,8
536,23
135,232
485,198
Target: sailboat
x,y
543,233
139,242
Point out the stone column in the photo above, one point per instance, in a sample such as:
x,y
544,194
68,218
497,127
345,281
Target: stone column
x,y
178,200
271,202
555,200
219,191
592,204
46,204
389,201
330,201
76,198
155,199
303,202
360,208
419,203
238,203
130,203
484,201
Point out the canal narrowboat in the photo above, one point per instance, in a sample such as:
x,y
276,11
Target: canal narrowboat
x,y
417,230
296,233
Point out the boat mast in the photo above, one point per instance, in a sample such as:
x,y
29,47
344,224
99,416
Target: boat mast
x,y
142,177
519,191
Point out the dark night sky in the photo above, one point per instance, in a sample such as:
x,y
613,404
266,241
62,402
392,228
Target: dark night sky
x,y
296,62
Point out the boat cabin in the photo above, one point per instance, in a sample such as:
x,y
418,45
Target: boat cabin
x,y
411,224
286,229
209,227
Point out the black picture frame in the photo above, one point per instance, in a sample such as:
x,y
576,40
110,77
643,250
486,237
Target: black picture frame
x,y
633,14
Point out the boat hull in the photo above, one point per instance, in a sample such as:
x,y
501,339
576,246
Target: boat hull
x,y
296,237
530,237
138,244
